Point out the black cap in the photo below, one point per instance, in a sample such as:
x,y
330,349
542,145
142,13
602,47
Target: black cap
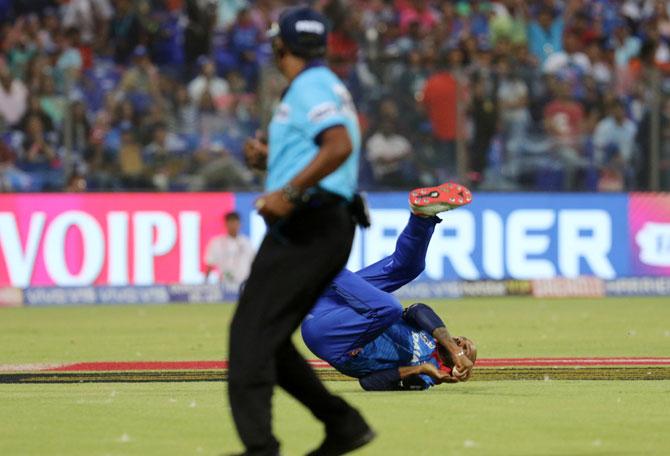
x,y
303,30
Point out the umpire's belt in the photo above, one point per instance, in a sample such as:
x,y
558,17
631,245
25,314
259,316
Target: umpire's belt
x,y
319,198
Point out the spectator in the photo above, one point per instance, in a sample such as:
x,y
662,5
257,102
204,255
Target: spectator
x,y
404,44
125,113
201,16
484,109
186,112
408,86
244,40
585,29
163,145
227,11
545,34
440,100
79,129
509,22
69,63
101,164
90,16
11,178
563,116
124,31
37,68
662,15
130,162
13,97
207,80
6,164
18,46
155,114
563,120
614,142
601,69
570,64
388,151
626,45
49,29
164,155
211,122
38,155
140,83
417,11
229,254
165,40
513,100
76,183
35,109
51,101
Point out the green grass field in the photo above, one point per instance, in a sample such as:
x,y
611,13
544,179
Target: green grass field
x,y
476,418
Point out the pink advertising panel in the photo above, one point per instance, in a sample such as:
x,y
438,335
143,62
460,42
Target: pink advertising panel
x,y
650,234
107,239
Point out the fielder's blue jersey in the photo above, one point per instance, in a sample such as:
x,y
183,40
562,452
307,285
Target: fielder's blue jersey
x,y
400,345
315,101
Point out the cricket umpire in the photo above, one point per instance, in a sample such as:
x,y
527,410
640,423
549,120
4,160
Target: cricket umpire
x,y
312,166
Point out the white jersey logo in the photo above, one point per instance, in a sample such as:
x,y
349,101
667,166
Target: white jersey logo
x,y
322,111
416,348
282,113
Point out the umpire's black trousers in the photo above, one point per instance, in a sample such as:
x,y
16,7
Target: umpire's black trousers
x,y
292,268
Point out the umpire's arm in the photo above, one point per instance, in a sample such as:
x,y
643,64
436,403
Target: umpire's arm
x,y
334,148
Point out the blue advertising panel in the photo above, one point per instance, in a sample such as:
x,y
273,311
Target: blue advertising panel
x,y
499,236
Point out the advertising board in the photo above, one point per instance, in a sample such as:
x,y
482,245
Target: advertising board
x,y
649,215
124,239
501,236
107,239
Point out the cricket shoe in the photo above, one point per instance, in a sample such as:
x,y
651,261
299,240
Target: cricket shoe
x,y
430,201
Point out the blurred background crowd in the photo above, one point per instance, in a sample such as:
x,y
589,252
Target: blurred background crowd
x,y
160,95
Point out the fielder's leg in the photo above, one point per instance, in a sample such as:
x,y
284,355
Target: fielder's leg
x,y
349,315
409,258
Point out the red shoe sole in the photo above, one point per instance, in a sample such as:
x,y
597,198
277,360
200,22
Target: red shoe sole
x,y
448,194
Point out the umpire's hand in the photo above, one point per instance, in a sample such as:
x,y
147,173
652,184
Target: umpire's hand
x,y
274,206
256,153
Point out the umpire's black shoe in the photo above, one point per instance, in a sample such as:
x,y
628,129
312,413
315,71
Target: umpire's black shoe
x,y
353,434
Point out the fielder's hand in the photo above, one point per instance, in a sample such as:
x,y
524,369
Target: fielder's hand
x,y
437,375
462,366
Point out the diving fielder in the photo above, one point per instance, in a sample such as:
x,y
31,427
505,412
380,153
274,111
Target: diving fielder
x,y
361,329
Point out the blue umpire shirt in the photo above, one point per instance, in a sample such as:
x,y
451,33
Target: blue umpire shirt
x,y
315,101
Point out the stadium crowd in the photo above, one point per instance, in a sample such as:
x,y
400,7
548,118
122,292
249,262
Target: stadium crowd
x,y
161,94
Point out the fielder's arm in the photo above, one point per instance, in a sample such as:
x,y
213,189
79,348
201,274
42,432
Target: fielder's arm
x,y
404,378
423,317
